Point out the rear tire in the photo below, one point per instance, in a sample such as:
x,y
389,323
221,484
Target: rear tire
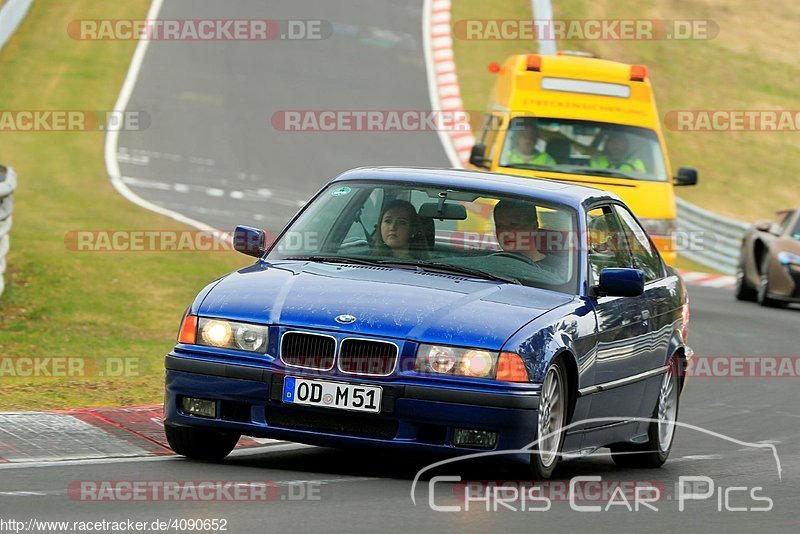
x,y
744,291
661,433
552,418
199,443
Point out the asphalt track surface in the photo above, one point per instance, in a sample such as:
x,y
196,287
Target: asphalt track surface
x,y
211,104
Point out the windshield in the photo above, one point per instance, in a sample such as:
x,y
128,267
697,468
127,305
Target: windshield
x,y
583,147
473,234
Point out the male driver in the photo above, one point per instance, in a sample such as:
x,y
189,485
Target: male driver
x,y
617,155
517,230
523,151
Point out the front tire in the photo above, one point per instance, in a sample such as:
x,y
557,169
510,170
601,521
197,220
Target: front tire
x,y
199,443
661,431
744,291
763,297
551,420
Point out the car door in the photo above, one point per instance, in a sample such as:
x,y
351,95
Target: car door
x,y
660,292
622,340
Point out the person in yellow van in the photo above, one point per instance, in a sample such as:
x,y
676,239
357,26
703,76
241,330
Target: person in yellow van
x,y
524,148
618,155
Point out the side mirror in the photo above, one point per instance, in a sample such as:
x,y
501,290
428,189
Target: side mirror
x,y
763,226
476,156
616,282
250,241
686,176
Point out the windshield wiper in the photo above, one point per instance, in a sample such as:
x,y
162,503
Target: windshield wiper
x,y
448,268
599,172
333,259
530,166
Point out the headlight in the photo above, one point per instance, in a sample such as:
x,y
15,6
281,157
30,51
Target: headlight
x,y
788,258
659,227
232,335
476,363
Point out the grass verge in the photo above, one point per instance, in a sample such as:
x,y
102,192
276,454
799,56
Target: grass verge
x,y
106,307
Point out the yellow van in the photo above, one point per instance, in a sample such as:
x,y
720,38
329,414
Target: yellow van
x,y
585,120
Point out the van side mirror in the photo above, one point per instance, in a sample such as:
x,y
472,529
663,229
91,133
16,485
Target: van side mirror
x,y
686,176
615,282
476,156
250,241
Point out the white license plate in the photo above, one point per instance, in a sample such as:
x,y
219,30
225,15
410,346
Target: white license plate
x,y
326,394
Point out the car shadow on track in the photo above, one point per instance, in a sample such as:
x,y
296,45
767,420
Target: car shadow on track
x,y
377,464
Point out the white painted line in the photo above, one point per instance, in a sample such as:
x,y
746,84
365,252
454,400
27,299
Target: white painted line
x,y
95,461
112,135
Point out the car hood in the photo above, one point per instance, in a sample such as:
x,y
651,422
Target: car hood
x,y
389,302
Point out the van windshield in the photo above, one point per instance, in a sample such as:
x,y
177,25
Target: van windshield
x,y
583,147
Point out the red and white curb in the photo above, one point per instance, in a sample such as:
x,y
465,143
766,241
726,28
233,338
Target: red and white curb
x,y
445,92
708,279
87,433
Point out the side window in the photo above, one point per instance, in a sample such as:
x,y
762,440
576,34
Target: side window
x,y
644,255
488,134
605,242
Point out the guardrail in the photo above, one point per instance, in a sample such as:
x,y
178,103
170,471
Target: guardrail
x,y
721,237
8,183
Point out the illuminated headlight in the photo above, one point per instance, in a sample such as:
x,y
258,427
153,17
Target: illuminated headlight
x,y
446,360
787,258
232,335
659,227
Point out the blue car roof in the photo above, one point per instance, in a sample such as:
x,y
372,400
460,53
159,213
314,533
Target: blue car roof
x,y
490,182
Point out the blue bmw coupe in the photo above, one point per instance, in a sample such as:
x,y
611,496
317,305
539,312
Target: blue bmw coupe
x,y
440,311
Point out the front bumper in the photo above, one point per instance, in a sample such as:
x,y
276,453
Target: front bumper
x,y
413,417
